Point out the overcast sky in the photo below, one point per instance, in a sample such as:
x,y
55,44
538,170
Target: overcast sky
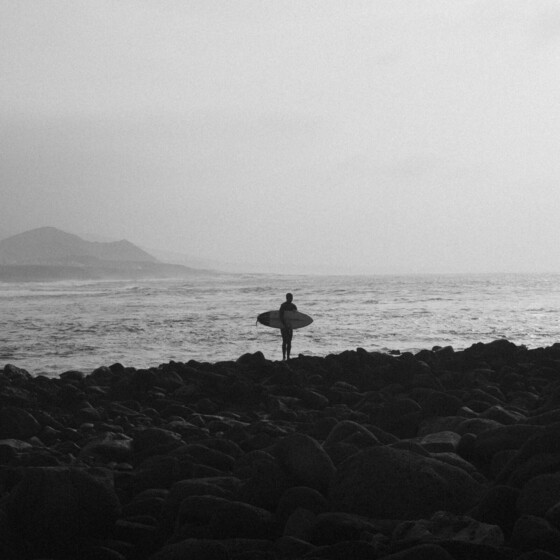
x,y
380,136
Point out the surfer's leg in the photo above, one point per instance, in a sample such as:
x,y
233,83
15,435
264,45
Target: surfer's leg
x,y
289,336
284,343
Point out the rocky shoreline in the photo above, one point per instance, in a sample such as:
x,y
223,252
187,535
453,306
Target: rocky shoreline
x,y
439,455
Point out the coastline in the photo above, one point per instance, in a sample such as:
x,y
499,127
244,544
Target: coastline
x,y
454,453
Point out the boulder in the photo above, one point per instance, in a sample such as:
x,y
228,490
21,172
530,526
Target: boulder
x,y
436,424
197,549
305,461
538,555
352,549
503,415
185,489
333,527
291,547
444,526
382,482
440,442
111,447
17,423
55,509
347,429
538,455
300,497
240,520
400,417
149,438
15,375
441,404
298,523
205,456
498,507
531,532
539,494
421,552
265,486
476,426
490,442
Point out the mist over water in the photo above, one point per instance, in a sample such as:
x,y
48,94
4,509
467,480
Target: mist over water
x,y
49,328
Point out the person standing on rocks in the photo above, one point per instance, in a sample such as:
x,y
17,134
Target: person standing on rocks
x,y
287,331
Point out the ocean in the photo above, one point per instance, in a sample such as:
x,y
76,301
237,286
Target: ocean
x,y
49,328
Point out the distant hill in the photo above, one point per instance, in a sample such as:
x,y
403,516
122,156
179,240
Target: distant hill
x,y
48,253
50,246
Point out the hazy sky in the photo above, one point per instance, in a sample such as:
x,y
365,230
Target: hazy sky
x,y
378,136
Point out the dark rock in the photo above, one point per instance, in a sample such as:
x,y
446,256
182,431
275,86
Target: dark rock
x,y
441,442
393,484
55,509
185,489
312,399
249,549
292,548
421,552
305,460
300,497
537,555
476,426
339,452
400,417
149,505
299,522
441,404
463,550
466,446
112,447
203,455
266,485
197,549
539,494
538,455
445,526
352,549
15,375
498,507
255,360
144,536
101,553
17,423
437,424
158,471
240,520
151,438
502,415
531,532
72,376
334,527
456,460
490,442
347,429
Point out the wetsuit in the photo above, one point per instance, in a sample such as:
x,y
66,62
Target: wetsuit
x,y
287,332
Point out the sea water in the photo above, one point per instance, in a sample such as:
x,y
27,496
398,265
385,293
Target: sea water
x,y
49,328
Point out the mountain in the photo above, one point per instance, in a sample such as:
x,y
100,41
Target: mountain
x,y
48,245
48,253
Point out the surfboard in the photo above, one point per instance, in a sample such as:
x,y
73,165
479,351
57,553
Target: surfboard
x,y
296,319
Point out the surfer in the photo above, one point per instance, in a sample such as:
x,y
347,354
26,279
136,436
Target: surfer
x,y
287,331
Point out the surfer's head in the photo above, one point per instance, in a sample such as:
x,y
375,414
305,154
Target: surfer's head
x,y
289,297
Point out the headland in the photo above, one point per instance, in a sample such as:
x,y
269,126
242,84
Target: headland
x,y
443,454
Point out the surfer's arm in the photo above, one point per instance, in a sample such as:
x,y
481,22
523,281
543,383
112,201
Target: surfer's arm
x,y
282,317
